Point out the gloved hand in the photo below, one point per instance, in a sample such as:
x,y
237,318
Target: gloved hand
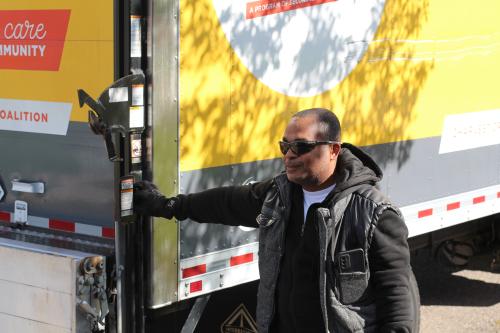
x,y
148,200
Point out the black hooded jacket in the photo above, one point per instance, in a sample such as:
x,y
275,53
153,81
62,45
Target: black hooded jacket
x,y
297,305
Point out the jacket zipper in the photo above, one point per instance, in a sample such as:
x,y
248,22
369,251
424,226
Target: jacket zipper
x,y
281,256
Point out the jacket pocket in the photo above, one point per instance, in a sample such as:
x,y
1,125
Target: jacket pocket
x,y
352,286
352,275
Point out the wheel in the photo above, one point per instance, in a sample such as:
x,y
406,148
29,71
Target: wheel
x,y
415,296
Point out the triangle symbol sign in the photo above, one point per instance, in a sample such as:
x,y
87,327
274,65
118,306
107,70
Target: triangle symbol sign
x,y
240,321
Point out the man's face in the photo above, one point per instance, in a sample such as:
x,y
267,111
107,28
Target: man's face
x,y
312,170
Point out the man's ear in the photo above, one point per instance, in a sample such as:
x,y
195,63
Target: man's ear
x,y
335,150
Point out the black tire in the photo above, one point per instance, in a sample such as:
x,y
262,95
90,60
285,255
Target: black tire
x,y
415,296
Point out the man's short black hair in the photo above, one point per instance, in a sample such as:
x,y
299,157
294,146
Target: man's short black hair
x,y
329,124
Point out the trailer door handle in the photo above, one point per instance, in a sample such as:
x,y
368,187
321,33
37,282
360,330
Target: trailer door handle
x,y
28,187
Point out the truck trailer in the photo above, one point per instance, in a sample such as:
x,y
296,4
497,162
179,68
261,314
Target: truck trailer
x,y
196,94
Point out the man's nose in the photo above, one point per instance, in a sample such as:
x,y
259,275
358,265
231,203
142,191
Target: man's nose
x,y
290,154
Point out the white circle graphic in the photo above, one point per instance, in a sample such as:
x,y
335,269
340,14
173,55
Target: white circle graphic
x,y
300,51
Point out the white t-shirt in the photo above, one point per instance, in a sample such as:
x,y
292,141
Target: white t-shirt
x,y
314,197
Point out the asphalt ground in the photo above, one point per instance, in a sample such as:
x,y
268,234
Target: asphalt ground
x,y
459,299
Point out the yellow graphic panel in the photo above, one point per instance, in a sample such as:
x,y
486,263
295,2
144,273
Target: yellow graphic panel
x,y
246,67
49,49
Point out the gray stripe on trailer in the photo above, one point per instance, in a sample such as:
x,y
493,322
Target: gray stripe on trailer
x,y
414,172
199,239
38,221
75,168
87,229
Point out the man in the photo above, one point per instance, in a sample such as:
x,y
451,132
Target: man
x,y
333,254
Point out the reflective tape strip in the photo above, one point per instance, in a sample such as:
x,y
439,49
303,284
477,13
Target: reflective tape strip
x,y
215,265
108,232
213,262
193,271
39,222
66,226
196,286
241,259
217,280
452,206
5,216
479,200
88,229
218,270
452,210
62,225
425,213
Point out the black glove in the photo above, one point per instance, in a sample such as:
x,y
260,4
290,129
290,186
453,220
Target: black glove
x,y
148,200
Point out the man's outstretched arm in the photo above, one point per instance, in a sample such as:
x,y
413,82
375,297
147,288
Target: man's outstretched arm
x,y
231,205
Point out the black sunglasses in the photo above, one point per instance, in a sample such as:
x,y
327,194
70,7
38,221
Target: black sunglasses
x,y
301,147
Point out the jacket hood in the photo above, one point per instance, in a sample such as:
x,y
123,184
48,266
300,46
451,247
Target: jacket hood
x,y
355,167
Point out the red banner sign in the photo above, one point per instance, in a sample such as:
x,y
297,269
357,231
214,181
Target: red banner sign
x,y
32,39
268,7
